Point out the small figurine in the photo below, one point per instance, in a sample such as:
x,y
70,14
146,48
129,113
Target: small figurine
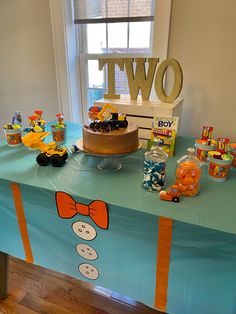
x,y
32,121
93,112
171,195
38,114
40,122
33,124
60,120
17,118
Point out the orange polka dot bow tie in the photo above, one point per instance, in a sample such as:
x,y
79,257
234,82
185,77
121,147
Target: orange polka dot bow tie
x,y
68,208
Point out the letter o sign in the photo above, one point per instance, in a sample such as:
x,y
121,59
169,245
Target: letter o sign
x,y
178,80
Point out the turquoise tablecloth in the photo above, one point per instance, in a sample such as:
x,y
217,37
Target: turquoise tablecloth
x,y
202,277
214,207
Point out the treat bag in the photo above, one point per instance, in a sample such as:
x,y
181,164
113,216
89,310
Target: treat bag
x,y
188,173
155,167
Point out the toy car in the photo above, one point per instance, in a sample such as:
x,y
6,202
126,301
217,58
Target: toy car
x,y
54,155
50,153
171,195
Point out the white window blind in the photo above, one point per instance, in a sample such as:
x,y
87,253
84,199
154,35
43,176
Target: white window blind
x,y
113,11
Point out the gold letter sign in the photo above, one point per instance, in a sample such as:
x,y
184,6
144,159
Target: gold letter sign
x,y
178,80
140,79
111,74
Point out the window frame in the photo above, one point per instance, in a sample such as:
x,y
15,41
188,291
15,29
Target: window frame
x,y
71,87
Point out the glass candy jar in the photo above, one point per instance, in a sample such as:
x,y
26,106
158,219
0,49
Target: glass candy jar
x,y
188,173
155,167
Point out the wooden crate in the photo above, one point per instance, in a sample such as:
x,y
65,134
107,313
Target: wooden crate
x,y
142,112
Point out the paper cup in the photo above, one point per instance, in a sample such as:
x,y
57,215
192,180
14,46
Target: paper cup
x,y
218,169
233,153
202,152
58,135
13,137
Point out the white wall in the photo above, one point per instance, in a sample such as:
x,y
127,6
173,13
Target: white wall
x,y
27,70
202,39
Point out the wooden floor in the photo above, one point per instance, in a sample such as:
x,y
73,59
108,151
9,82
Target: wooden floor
x,y
33,289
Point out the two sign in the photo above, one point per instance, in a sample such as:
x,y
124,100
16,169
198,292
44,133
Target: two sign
x,y
142,79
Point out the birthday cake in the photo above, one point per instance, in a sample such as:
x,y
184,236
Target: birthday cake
x,y
111,136
120,141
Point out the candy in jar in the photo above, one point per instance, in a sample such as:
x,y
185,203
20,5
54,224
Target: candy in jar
x,y
188,173
155,167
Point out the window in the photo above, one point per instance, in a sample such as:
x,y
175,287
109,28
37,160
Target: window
x,y
78,89
110,28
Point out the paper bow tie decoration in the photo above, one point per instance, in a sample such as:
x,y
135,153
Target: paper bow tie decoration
x,y
68,208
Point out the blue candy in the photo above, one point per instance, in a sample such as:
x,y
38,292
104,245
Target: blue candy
x,y
154,175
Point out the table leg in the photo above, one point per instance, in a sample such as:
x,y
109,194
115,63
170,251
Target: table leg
x,y
3,275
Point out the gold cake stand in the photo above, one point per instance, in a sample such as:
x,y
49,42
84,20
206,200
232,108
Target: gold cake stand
x,y
108,162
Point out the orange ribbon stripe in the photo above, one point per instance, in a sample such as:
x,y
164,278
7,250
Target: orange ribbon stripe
x,y
163,262
22,222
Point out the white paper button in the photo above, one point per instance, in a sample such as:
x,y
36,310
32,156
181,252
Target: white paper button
x,y
86,251
89,271
84,230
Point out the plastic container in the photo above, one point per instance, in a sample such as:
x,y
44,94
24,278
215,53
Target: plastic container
x,y
202,149
188,174
59,134
218,169
13,136
155,167
233,153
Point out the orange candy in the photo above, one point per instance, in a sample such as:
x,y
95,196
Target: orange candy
x,y
188,181
187,178
182,187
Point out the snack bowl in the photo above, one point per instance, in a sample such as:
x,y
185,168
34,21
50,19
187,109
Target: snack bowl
x,y
218,169
13,136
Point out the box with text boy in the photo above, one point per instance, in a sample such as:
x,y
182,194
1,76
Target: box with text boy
x,y
165,129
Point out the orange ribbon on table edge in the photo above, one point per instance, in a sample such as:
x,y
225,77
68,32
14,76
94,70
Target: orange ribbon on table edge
x,y
163,262
22,222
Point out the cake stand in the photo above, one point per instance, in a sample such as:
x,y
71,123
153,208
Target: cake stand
x,y
108,162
